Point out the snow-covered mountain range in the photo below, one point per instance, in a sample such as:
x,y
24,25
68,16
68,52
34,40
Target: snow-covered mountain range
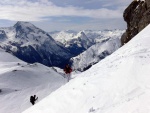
x,y
32,44
75,42
98,35
78,42
89,46
19,80
119,83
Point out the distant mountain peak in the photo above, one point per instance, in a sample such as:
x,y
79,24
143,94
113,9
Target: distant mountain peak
x,y
25,28
81,34
22,24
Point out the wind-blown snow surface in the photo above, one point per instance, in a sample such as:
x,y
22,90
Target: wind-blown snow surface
x,y
19,80
118,84
95,53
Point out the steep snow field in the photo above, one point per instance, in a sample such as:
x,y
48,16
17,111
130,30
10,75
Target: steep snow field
x,y
19,80
118,84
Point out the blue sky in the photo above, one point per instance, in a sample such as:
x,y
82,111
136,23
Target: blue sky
x,y
52,15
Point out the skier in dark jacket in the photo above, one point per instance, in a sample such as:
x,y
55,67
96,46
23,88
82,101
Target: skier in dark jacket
x,y
68,71
33,99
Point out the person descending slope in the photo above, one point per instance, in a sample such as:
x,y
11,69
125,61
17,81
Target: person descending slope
x,y
33,99
68,71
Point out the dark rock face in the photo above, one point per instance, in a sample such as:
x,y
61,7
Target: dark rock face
x,y
2,35
137,16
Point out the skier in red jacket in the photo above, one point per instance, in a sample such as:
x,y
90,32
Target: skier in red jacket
x,y
68,71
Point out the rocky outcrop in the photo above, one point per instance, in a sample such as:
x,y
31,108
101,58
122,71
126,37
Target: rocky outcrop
x,y
2,35
137,16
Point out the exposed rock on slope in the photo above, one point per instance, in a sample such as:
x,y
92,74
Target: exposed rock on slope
x,y
137,16
2,35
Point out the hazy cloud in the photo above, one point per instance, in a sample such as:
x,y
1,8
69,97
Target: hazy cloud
x,y
65,14
25,10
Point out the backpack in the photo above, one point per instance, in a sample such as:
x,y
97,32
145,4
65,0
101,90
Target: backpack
x,y
31,98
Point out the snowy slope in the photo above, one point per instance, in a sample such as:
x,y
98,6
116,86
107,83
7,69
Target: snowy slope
x,y
19,80
118,84
32,44
95,53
